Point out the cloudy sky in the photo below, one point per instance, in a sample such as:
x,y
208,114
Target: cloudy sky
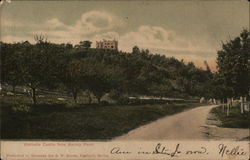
x,y
186,29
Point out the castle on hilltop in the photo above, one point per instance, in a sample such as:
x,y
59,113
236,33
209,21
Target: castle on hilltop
x,y
107,44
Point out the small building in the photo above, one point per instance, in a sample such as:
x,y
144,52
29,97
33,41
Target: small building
x,y
107,44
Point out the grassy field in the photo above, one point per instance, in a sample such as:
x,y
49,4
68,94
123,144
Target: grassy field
x,y
52,119
235,118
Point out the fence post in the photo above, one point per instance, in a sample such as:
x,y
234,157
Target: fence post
x,y
223,105
228,105
245,106
232,101
241,104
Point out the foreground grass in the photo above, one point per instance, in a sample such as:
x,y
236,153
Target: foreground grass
x,y
82,122
235,118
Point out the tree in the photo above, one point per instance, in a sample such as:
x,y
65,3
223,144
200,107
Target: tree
x,y
207,66
102,79
31,65
135,50
164,89
40,38
68,46
219,90
10,64
73,76
38,66
85,44
233,64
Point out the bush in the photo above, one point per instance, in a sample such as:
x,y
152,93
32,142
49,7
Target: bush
x,y
21,108
123,100
104,103
114,94
119,97
72,105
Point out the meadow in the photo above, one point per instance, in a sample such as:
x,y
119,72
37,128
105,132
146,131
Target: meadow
x,y
52,119
235,119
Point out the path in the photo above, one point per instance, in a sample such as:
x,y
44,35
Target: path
x,y
187,125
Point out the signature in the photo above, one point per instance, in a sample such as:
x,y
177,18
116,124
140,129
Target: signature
x,y
160,149
225,150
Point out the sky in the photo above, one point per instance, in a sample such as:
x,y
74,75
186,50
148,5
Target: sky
x,y
192,30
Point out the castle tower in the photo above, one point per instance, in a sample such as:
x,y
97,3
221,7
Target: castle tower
x,y
107,44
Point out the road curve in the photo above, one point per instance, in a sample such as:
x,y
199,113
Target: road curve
x,y
187,125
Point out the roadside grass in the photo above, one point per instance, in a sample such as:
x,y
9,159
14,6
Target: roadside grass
x,y
69,121
235,118
44,98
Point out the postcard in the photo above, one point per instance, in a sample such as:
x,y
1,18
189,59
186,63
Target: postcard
x,y
126,79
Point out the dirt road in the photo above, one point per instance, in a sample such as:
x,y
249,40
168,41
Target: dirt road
x,y
184,125
188,125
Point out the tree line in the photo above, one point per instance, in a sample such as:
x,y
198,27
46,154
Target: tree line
x,y
233,75
78,68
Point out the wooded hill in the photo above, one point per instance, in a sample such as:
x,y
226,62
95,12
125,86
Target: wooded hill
x,y
98,71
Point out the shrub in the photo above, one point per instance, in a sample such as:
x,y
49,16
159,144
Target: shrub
x,y
123,100
104,103
72,105
21,108
119,97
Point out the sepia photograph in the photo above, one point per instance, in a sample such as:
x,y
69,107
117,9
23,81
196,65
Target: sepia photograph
x,y
109,72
